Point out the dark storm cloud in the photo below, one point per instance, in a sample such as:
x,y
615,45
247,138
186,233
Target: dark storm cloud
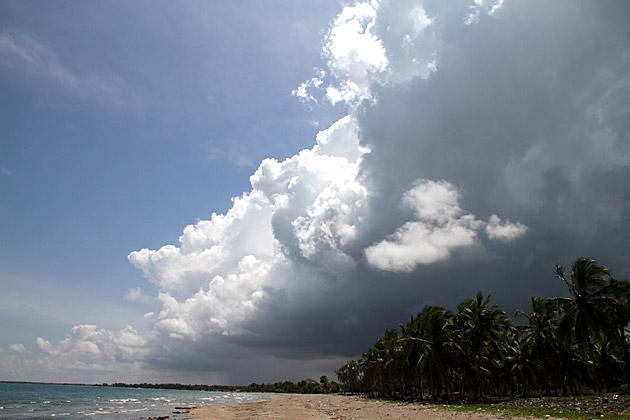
x,y
525,116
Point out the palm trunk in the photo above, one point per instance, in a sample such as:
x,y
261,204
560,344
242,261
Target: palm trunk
x,y
626,358
477,378
592,354
462,393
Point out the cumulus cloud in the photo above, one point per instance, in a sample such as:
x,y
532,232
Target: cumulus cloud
x,y
354,53
504,231
440,227
482,138
234,266
88,343
377,43
87,350
17,348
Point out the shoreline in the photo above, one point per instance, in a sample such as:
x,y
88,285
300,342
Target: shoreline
x,y
328,406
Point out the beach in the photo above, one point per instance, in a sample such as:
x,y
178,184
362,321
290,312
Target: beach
x,y
316,407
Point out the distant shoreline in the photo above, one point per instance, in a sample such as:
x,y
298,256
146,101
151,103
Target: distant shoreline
x,y
307,386
48,383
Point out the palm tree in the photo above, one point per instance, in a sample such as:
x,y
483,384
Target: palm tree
x,y
566,343
520,360
435,345
540,335
587,313
381,363
620,289
348,375
412,351
371,366
480,325
608,361
391,352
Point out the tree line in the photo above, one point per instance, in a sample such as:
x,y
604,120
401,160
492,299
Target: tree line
x,y
305,386
567,345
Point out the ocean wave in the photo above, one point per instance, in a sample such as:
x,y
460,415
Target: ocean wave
x,y
124,400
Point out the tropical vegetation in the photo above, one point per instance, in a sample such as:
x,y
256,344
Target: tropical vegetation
x,y
563,346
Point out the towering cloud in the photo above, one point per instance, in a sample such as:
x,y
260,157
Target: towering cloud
x,y
485,141
317,226
476,136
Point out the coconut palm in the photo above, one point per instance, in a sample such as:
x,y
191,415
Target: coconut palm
x,y
435,345
587,313
391,350
480,325
371,365
620,290
412,351
520,360
608,361
381,363
540,335
348,375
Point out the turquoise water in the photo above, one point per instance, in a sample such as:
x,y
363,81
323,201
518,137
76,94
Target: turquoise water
x,y
47,401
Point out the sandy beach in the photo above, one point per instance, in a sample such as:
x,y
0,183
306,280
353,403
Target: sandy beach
x,y
315,407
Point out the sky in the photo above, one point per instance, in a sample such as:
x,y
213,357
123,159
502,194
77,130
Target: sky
x,y
236,192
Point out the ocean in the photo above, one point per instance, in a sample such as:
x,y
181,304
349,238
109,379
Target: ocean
x,y
46,401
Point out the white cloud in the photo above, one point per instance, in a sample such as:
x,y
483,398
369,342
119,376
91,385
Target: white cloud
x,y
439,229
376,43
302,92
45,346
17,348
490,7
90,349
417,243
354,53
504,231
222,305
434,201
229,268
138,295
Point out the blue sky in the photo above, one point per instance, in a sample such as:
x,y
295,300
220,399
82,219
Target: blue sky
x,y
123,122
230,192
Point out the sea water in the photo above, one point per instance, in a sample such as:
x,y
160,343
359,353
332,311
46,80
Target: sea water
x,y
52,401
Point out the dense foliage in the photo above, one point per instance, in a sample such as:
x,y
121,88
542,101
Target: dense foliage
x,y
567,345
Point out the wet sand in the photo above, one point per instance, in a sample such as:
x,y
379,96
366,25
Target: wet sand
x,y
316,407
